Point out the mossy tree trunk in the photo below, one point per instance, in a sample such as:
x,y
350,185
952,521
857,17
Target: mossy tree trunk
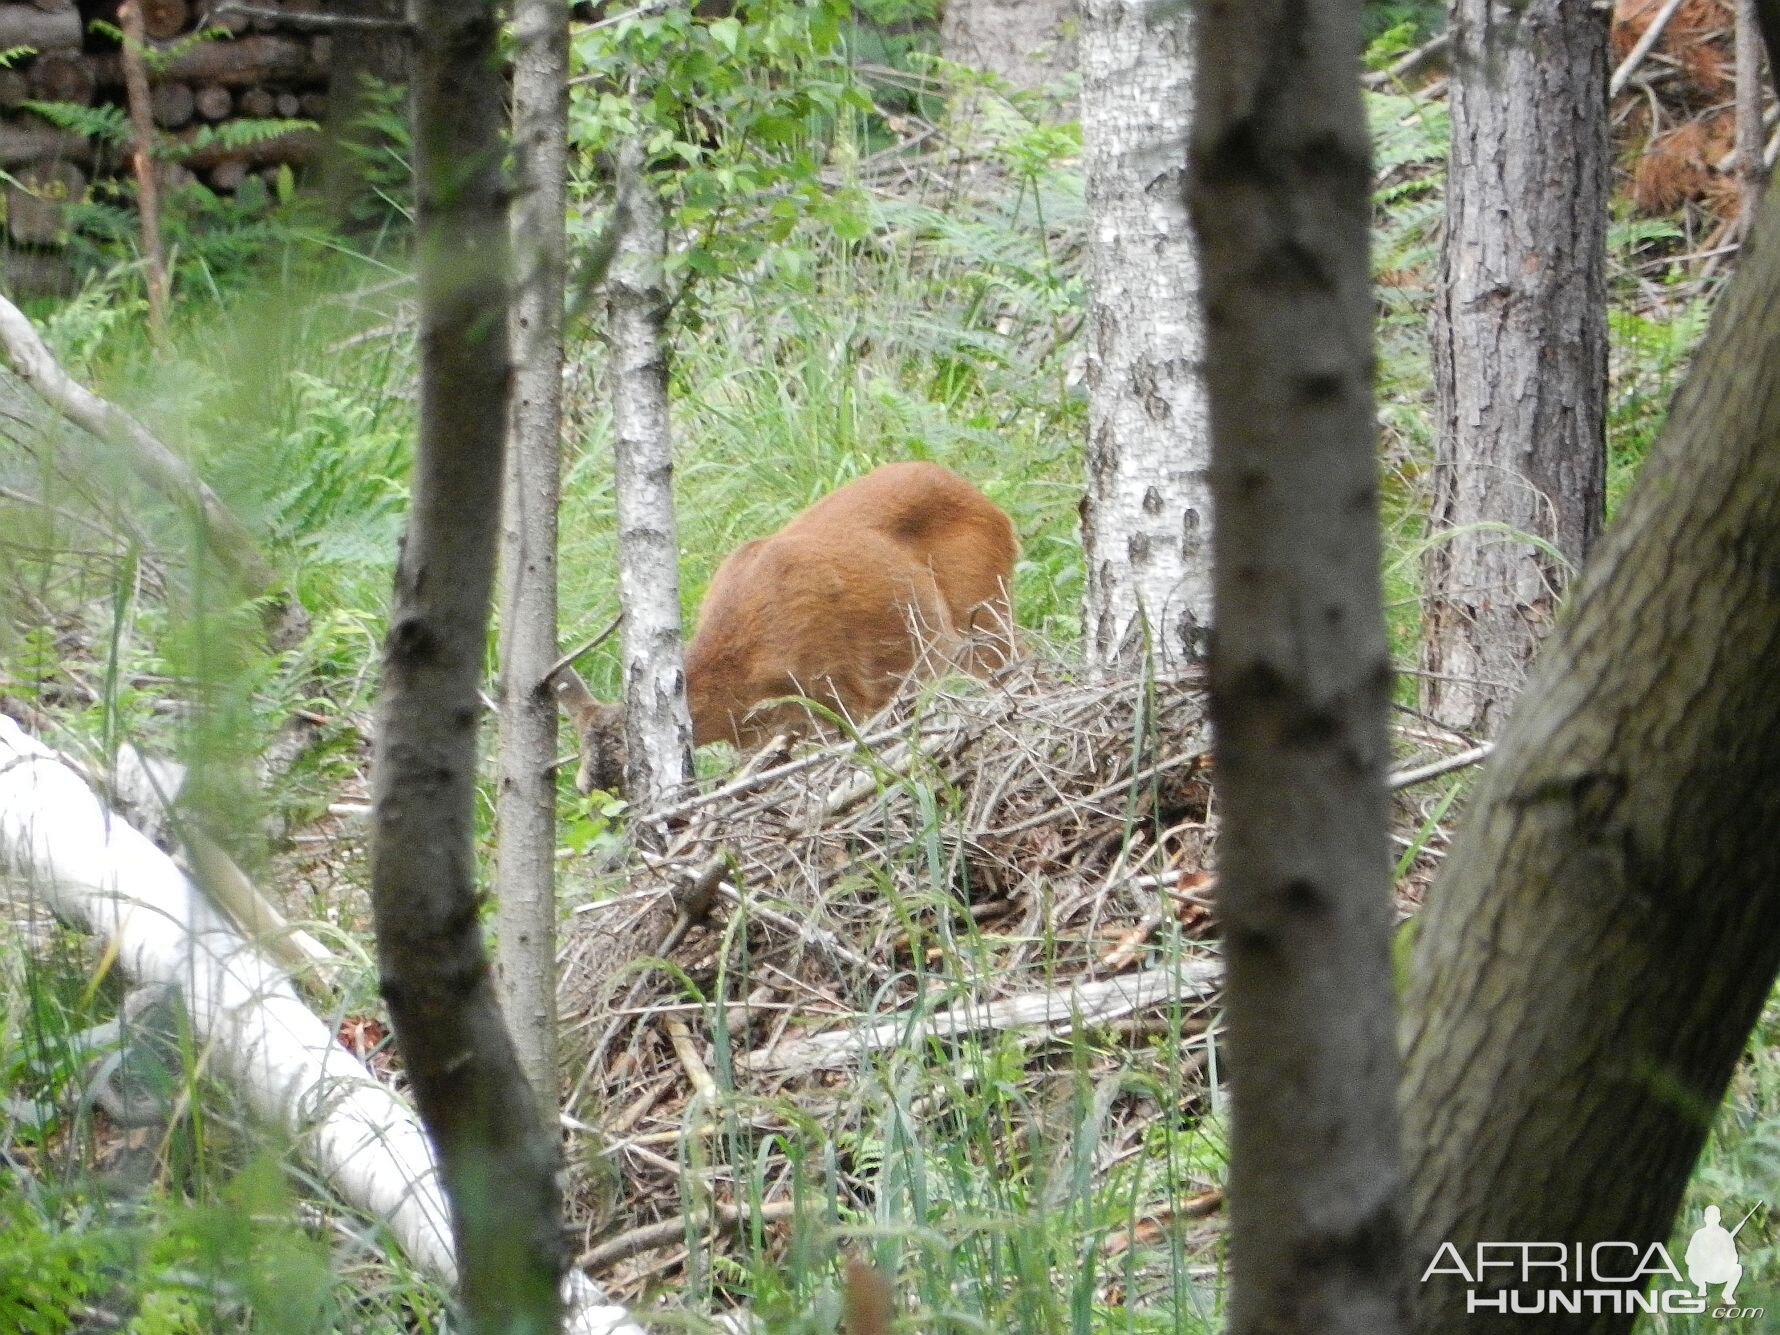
x,y
1300,670
498,1158
1607,927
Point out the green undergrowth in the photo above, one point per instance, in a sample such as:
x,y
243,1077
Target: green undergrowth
x,y
934,321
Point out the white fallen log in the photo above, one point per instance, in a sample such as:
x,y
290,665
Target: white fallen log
x,y
1057,1012
97,873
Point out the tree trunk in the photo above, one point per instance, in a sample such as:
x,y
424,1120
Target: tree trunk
x,y
1520,345
498,1158
142,133
526,811
1605,931
1026,42
1146,517
1301,673
366,59
658,729
1752,170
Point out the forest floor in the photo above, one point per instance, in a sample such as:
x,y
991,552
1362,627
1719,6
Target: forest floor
x,y
957,1010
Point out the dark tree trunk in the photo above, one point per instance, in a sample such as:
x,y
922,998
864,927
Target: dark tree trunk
x,y
1604,933
498,1158
361,61
1520,345
1300,670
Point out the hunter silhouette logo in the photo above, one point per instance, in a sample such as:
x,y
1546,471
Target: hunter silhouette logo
x,y
1712,1255
1622,1278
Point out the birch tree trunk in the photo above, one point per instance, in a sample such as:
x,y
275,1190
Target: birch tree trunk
x,y
1146,517
498,1158
1520,345
526,806
1300,673
1607,927
1026,42
658,729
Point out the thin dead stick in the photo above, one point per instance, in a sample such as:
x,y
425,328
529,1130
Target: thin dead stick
x,y
1056,1012
588,647
1434,769
667,1232
142,129
1411,62
291,18
1635,57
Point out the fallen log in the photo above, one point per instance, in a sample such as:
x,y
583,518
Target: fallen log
x,y
33,140
214,102
241,63
172,104
40,29
206,151
37,200
62,76
99,874
1054,1012
162,19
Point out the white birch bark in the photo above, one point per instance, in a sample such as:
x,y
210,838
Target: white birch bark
x,y
658,729
99,874
525,908
1146,517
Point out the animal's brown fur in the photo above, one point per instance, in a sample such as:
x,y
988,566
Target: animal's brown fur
x,y
904,571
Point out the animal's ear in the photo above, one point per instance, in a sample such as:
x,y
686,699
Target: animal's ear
x,y
572,694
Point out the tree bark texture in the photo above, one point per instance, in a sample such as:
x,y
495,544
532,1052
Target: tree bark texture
x,y
1146,517
365,58
658,728
1520,346
1026,42
1605,930
142,132
526,809
1752,170
498,1158
1300,671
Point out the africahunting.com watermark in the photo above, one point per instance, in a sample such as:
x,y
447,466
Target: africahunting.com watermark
x,y
1549,1278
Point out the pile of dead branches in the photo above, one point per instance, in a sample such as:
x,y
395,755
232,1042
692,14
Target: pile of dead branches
x,y
1051,825
1024,857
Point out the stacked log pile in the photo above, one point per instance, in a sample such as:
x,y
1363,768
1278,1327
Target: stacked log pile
x,y
269,61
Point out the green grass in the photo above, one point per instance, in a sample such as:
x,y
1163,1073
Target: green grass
x,y
980,1179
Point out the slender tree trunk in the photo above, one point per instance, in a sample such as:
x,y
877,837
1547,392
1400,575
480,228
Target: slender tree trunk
x,y
658,729
148,196
1751,169
1026,42
361,59
1301,672
498,1158
1520,345
1146,517
1605,931
526,809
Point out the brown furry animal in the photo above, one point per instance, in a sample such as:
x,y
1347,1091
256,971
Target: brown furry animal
x,y
903,572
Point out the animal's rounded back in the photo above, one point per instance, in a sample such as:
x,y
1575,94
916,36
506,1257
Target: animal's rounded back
x,y
906,570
